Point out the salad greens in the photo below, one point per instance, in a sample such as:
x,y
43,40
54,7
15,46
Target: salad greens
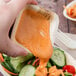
x,y
25,66
58,58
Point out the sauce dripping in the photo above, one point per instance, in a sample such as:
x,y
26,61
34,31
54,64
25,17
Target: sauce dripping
x,y
33,33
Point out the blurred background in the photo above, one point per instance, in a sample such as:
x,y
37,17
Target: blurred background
x,y
65,25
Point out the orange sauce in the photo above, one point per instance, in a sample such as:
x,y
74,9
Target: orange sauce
x,y
33,33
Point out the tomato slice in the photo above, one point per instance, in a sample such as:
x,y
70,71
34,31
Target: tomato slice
x,y
69,69
74,75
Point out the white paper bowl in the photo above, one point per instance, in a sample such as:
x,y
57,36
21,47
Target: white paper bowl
x,y
54,22
65,12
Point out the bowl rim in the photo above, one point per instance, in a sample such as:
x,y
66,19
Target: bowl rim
x,y
65,13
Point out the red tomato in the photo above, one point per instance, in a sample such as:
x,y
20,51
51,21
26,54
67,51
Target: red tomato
x,y
74,75
69,68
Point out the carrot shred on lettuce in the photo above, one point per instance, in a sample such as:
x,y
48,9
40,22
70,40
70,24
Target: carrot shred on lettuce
x,y
35,62
29,62
9,71
1,58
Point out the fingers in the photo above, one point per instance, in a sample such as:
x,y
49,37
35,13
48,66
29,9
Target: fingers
x,y
7,0
2,2
15,50
17,5
8,47
33,2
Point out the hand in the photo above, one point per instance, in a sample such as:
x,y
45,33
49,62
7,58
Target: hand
x,y
8,12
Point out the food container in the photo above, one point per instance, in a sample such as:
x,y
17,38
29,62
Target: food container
x,y
65,12
54,22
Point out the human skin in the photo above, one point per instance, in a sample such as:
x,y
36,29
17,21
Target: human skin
x,y
9,10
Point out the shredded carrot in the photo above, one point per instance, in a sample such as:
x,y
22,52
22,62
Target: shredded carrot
x,y
36,57
41,71
71,11
29,62
35,62
53,71
9,71
1,58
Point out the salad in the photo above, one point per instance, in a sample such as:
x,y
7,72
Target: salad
x,y
71,11
26,66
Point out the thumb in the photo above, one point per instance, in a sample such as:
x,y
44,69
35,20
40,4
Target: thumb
x,y
15,50
17,5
